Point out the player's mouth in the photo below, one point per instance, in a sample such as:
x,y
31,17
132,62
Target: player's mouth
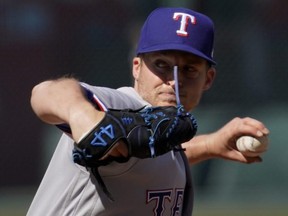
x,y
168,96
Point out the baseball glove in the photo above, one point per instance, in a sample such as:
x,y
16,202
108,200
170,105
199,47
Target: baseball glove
x,y
148,133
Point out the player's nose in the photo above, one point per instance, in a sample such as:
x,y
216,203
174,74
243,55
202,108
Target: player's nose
x,y
172,82
174,77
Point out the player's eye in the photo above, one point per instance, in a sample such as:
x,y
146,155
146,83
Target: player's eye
x,y
162,66
191,72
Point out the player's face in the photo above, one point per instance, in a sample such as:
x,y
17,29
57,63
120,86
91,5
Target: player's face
x,y
154,80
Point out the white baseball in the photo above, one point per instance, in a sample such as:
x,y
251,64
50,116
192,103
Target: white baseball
x,y
251,146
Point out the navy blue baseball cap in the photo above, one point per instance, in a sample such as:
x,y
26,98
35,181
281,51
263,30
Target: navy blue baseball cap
x,y
178,29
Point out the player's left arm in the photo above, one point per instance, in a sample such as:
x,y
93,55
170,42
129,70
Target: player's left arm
x,y
222,143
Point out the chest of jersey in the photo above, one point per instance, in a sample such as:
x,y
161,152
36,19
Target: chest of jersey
x,y
149,186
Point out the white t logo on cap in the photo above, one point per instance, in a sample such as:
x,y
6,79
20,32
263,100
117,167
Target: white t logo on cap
x,y
185,19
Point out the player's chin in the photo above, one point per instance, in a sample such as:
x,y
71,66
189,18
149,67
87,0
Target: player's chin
x,y
167,103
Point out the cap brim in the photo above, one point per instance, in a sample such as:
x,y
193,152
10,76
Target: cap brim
x,y
179,47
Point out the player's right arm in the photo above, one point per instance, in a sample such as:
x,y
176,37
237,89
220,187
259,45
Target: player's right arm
x,y
63,101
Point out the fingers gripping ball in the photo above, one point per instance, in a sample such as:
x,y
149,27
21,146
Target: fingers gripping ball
x,y
148,133
251,146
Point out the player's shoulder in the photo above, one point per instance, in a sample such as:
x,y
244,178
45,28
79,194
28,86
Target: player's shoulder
x,y
132,93
121,98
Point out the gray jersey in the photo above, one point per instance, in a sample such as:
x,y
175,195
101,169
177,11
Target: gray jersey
x,y
139,187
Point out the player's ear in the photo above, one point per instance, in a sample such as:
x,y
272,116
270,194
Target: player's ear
x,y
210,76
136,67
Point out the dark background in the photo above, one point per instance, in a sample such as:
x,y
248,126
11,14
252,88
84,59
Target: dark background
x,y
95,41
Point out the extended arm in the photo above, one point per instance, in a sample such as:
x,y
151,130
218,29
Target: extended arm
x,y
222,143
62,101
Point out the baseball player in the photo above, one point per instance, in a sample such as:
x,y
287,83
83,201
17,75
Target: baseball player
x,y
127,151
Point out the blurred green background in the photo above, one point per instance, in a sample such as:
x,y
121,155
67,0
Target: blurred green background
x,y
95,40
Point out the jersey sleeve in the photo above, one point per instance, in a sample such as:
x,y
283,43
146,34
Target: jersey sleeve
x,y
104,98
91,97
